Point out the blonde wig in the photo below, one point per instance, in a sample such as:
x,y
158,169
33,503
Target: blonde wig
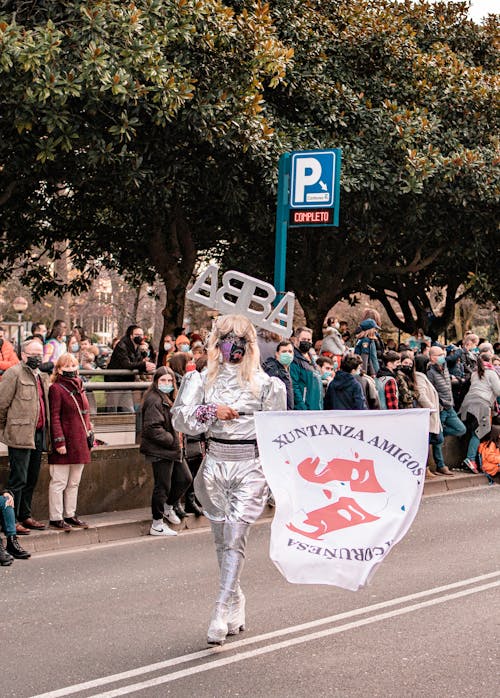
x,y
242,327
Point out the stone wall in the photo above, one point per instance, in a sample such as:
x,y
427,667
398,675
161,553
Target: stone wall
x,y
118,478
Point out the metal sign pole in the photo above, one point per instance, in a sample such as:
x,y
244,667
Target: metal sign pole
x,y
281,226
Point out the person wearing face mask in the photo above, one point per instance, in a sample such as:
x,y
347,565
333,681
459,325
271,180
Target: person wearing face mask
x,y
438,375
8,356
127,355
333,346
278,366
55,344
306,380
230,484
165,350
70,423
326,368
405,379
344,391
182,344
24,427
160,444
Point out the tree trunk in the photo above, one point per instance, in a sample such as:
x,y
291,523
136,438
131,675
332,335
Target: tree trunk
x,y
174,256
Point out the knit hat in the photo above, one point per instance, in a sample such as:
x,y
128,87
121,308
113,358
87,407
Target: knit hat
x,y
181,339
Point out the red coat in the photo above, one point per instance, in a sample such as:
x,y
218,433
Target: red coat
x,y
66,424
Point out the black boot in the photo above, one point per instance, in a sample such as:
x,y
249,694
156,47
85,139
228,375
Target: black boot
x,y
191,506
5,558
15,549
179,510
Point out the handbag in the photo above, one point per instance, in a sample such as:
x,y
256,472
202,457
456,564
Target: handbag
x,y
89,434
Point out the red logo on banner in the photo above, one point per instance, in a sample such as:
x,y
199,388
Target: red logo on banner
x,y
346,511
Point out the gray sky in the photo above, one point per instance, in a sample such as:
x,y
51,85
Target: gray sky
x,y
481,8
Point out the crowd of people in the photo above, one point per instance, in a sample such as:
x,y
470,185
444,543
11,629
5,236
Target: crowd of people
x,y
44,405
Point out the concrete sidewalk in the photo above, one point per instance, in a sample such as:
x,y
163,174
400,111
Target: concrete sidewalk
x,y
122,525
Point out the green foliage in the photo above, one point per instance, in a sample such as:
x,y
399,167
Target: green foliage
x,y
147,134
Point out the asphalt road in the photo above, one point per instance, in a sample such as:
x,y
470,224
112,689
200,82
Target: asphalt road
x,y
131,618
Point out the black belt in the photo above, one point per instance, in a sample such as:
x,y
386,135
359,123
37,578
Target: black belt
x,y
240,442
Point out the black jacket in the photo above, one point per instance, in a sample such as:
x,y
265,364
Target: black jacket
x,y
274,369
159,440
127,355
344,393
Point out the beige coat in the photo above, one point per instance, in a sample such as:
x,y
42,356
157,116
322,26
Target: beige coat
x,y
428,397
19,406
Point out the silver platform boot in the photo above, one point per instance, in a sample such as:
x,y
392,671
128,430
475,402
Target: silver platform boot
x,y
236,613
231,554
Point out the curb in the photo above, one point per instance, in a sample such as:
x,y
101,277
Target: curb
x,y
123,525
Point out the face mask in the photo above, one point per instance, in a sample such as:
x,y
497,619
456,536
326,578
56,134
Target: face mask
x,y
233,349
137,340
304,347
166,388
70,374
336,325
75,347
475,350
441,360
43,335
33,361
335,365
167,346
408,370
326,374
185,347
285,358
190,366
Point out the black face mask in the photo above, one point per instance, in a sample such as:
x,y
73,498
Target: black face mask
x,y
137,340
33,361
304,347
408,370
70,374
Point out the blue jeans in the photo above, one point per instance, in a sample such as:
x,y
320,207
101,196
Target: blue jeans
x,y
7,516
452,426
472,447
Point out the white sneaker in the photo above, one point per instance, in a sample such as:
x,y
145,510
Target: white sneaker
x,y
161,529
170,515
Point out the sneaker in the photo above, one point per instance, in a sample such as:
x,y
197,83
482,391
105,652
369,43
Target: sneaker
x,y
161,530
471,465
170,514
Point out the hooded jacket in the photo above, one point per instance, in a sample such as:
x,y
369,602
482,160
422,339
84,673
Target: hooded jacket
x,y
307,385
344,393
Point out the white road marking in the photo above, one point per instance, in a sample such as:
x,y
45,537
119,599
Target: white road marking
x,y
231,646
208,666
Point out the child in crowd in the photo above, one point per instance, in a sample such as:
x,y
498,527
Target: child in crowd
x,y
489,451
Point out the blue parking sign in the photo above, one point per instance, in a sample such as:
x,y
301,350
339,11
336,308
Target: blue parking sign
x,y
314,178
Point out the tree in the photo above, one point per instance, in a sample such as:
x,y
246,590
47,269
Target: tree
x,y
132,130
147,134
409,91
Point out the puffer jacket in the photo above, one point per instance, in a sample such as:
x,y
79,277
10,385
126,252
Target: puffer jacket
x,y
19,406
8,356
159,440
440,379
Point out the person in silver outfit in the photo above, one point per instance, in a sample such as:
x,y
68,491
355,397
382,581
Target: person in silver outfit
x,y
230,484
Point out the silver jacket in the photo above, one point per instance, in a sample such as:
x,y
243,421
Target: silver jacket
x,y
226,390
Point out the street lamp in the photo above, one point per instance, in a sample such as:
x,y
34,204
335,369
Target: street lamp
x,y
19,304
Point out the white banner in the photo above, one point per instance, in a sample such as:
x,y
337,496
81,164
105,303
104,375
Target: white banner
x,y
347,486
